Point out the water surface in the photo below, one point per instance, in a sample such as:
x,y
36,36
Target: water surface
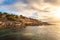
x,y
48,32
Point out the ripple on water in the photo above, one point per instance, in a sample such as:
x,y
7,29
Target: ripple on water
x,y
51,32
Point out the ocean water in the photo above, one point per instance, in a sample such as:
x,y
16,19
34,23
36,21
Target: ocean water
x,y
48,32
44,32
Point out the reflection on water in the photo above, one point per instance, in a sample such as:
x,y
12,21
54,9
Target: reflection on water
x,y
51,32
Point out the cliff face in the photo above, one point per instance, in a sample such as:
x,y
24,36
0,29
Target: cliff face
x,y
10,21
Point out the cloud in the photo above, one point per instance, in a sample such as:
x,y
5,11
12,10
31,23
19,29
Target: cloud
x,y
1,1
53,2
22,5
29,7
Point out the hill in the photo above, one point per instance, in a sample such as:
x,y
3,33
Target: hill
x,y
11,21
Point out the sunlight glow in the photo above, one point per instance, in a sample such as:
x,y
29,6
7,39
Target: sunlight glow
x,y
56,12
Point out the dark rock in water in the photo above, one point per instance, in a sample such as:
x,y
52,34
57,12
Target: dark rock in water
x,y
8,37
26,36
45,23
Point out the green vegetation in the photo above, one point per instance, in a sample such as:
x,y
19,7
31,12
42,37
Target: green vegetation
x,y
12,25
15,22
7,16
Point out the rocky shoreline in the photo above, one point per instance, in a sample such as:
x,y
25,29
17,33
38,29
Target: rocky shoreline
x,y
11,21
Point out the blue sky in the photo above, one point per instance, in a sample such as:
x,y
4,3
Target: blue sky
x,y
23,7
6,2
9,5
19,5
31,8
16,6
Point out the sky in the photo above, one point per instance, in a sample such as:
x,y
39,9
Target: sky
x,y
43,9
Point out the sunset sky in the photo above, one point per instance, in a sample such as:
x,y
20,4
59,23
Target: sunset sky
x,y
32,8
